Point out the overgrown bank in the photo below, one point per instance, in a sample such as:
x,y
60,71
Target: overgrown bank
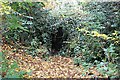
x,y
30,25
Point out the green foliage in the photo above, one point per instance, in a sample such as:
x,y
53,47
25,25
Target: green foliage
x,y
108,69
110,53
8,68
34,46
77,61
19,21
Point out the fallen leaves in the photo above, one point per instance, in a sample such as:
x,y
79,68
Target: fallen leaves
x,y
57,67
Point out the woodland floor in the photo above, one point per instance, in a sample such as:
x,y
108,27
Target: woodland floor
x,y
55,67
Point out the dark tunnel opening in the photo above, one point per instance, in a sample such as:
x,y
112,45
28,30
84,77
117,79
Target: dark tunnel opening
x,y
57,40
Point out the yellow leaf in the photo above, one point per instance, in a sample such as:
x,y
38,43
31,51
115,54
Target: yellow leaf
x,y
17,69
28,70
104,36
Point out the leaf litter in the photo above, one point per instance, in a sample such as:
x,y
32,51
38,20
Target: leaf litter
x,y
57,67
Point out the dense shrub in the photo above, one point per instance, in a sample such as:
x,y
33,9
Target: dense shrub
x,y
85,35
